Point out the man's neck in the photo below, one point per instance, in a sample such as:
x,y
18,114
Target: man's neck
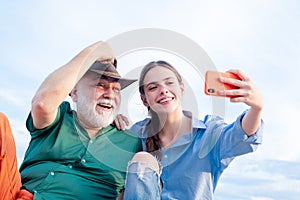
x,y
92,132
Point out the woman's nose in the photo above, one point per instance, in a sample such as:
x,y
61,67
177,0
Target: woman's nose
x,y
163,90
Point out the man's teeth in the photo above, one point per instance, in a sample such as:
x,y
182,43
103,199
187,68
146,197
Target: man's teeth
x,y
105,105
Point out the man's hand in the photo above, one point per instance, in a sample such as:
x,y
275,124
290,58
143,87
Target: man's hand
x,y
102,51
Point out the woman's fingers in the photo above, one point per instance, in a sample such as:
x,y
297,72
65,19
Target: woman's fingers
x,y
121,122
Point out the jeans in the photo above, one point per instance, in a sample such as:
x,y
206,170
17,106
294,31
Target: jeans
x,y
142,183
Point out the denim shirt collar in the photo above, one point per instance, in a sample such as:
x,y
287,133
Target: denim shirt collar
x,y
188,137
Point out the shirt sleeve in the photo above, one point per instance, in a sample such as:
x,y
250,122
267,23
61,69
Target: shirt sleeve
x,y
231,140
235,142
65,106
139,128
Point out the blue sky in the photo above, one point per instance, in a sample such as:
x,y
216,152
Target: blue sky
x,y
260,37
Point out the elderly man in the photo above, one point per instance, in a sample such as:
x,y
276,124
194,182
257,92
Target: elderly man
x,y
77,154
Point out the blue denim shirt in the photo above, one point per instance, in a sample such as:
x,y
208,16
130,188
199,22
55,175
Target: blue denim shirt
x,y
192,166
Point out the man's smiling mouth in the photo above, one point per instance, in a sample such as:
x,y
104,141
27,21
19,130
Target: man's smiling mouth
x,y
105,104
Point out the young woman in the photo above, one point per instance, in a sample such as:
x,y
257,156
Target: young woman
x,y
191,153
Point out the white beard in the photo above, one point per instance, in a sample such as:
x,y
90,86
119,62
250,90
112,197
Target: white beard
x,y
95,119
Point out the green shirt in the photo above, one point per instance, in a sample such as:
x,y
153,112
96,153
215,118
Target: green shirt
x,y
62,162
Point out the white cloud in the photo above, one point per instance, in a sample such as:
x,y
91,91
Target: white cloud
x,y
250,178
281,130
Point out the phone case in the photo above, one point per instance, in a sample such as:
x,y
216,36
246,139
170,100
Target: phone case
x,y
213,84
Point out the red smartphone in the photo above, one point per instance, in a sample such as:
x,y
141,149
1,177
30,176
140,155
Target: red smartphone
x,y
213,84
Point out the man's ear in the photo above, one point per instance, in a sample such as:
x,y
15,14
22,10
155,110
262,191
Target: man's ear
x,y
73,94
144,100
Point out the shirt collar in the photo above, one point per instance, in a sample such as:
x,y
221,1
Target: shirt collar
x,y
188,137
83,131
196,123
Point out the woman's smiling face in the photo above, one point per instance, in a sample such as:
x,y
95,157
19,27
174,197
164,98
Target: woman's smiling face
x,y
162,90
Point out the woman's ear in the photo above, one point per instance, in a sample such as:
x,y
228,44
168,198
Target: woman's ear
x,y
182,88
144,100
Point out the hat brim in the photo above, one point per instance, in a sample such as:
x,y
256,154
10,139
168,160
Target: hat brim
x,y
124,82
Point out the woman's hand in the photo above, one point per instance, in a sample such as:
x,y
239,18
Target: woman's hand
x,y
121,122
246,93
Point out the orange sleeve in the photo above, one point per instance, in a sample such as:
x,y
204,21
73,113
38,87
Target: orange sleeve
x,y
10,179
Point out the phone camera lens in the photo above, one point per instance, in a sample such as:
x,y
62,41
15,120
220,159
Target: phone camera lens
x,y
210,90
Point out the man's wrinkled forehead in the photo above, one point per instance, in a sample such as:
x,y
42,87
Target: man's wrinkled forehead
x,y
100,78
97,78
107,78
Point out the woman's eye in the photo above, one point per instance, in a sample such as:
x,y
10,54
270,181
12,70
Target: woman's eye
x,y
152,88
170,82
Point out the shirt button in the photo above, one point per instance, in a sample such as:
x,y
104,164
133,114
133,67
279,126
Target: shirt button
x,y
34,191
52,173
70,166
91,141
83,160
165,156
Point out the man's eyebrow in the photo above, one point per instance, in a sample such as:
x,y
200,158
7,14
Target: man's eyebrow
x,y
106,78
